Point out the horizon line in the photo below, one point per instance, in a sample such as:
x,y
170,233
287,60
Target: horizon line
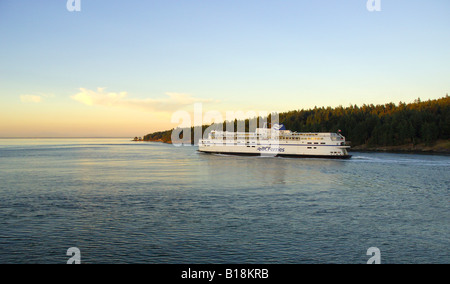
x,y
65,137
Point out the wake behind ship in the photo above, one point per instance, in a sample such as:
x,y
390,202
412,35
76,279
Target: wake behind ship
x,y
276,141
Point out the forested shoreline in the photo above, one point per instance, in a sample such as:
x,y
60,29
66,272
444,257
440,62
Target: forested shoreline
x,y
417,126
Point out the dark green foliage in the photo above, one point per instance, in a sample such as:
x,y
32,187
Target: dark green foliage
x,y
373,125
380,125
164,136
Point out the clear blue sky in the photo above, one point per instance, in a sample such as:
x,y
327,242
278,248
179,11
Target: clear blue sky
x,y
152,57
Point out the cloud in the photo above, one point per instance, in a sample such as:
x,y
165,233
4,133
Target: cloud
x,y
91,98
173,101
30,99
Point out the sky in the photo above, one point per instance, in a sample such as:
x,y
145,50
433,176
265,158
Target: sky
x,y
123,68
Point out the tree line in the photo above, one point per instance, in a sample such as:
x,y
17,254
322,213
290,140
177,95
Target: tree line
x,y
372,125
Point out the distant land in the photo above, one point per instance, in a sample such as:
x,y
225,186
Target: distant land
x,y
421,126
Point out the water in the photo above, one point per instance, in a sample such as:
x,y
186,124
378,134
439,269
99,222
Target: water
x,y
126,202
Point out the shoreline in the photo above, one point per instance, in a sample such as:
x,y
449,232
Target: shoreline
x,y
157,141
440,148
441,153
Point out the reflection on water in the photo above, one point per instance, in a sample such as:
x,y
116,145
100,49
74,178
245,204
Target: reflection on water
x,y
264,171
127,202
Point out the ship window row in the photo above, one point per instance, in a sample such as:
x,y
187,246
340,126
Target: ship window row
x,y
254,142
248,138
301,138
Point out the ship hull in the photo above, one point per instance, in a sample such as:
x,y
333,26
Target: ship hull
x,y
343,157
279,150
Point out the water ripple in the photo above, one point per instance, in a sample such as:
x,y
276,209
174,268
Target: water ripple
x,y
124,202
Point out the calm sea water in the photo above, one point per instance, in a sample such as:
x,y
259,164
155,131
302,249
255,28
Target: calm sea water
x,y
126,202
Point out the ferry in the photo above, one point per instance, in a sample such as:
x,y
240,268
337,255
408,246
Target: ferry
x,y
276,141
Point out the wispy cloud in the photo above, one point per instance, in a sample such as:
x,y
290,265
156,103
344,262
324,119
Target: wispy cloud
x,y
30,99
172,101
98,97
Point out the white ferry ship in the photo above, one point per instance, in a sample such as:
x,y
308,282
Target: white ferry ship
x,y
276,141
